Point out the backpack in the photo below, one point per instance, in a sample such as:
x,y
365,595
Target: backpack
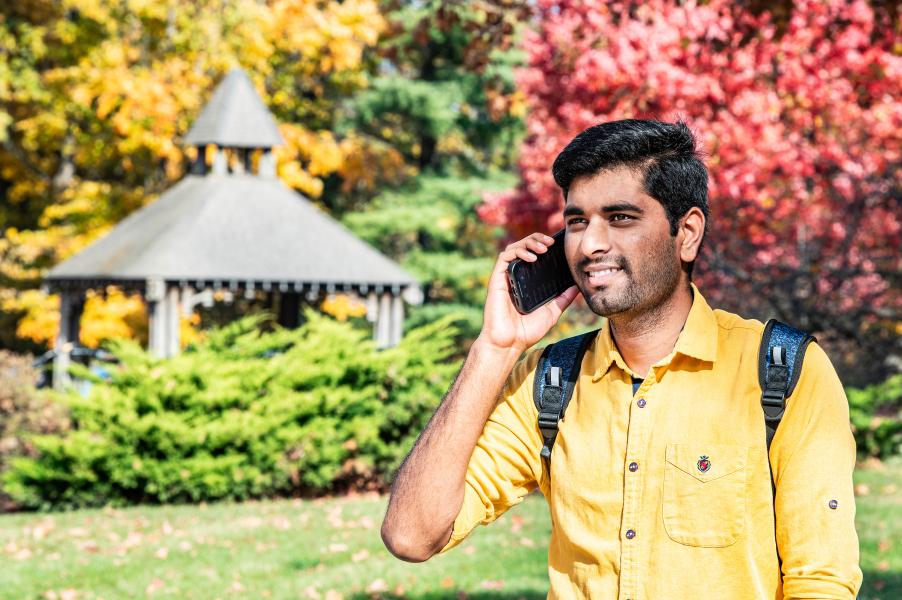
x,y
780,356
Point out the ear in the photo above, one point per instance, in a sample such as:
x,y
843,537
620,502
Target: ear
x,y
690,234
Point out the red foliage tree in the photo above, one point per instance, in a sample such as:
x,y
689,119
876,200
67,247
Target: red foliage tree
x,y
800,122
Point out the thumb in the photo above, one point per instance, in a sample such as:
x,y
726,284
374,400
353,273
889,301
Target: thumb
x,y
559,304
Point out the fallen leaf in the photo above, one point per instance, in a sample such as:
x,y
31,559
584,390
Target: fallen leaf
x,y
162,553
883,565
88,546
884,545
469,550
447,583
862,489
311,593
359,556
376,586
68,594
527,542
333,595
338,547
167,528
23,554
154,586
493,585
516,523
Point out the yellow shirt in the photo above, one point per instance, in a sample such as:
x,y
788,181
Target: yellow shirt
x,y
634,516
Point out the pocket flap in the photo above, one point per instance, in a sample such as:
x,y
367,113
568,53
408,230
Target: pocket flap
x,y
707,462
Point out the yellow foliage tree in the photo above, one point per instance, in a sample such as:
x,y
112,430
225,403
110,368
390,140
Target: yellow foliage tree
x,y
95,96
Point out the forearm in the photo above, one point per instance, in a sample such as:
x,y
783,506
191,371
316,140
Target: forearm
x,y
429,488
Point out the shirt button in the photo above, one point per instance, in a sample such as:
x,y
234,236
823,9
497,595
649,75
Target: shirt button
x,y
833,504
634,467
641,402
630,534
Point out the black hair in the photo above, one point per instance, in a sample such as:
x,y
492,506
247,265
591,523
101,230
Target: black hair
x,y
664,153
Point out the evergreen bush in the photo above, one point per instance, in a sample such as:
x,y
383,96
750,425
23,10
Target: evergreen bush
x,y
242,414
876,414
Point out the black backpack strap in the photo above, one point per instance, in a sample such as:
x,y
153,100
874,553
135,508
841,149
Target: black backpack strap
x,y
555,378
779,366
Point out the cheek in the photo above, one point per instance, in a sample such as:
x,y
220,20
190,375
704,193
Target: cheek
x,y
571,247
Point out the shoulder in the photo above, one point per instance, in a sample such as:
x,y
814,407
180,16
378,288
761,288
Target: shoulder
x,y
737,334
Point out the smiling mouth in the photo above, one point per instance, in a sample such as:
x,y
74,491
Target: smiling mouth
x,y
601,276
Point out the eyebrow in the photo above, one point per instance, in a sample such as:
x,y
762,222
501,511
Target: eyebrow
x,y
571,209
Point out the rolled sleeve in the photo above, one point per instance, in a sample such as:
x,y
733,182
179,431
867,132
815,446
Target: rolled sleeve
x,y
813,456
505,464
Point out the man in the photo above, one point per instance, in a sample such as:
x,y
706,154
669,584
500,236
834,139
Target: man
x,y
659,483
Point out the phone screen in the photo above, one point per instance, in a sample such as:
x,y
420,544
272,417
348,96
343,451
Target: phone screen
x,y
532,284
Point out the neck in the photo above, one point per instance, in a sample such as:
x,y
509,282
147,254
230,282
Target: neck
x,y
645,337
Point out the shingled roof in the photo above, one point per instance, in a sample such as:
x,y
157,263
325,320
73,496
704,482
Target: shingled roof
x,y
233,230
235,117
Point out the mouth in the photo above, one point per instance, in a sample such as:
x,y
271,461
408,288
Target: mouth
x,y
601,275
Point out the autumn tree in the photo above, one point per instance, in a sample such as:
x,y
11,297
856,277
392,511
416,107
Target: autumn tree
x,y
800,120
95,96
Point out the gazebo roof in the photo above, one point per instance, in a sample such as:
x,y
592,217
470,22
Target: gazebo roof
x,y
235,117
232,229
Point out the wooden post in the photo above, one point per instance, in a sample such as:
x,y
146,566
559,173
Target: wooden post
x,y
383,321
397,321
155,295
71,307
173,344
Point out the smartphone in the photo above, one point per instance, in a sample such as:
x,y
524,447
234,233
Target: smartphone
x,y
532,284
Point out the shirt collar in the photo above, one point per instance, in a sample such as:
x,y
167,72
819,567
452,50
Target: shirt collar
x,y
698,339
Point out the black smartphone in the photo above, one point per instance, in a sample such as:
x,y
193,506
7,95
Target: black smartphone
x,y
532,284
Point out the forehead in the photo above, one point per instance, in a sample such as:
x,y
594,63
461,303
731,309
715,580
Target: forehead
x,y
612,186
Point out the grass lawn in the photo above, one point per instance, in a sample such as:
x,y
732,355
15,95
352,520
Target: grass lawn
x,y
329,549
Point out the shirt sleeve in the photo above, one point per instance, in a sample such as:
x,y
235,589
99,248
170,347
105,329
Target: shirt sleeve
x,y
505,464
813,456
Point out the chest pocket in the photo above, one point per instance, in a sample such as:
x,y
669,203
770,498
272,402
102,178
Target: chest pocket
x,y
704,494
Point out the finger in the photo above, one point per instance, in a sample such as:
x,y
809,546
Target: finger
x,y
526,255
536,246
541,237
563,301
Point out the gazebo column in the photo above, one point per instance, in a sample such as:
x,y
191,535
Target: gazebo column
x,y
172,301
163,319
72,306
383,321
397,321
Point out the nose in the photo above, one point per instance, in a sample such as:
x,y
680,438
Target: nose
x,y
595,240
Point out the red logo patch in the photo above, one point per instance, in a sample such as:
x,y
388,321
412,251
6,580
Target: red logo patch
x,y
703,464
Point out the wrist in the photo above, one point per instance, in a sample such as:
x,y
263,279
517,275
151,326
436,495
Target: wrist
x,y
485,348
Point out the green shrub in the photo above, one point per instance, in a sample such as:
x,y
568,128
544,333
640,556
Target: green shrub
x,y
876,414
243,414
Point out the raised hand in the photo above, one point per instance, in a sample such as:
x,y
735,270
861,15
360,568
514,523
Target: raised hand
x,y
503,326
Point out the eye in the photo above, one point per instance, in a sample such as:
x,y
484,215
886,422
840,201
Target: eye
x,y
622,217
575,221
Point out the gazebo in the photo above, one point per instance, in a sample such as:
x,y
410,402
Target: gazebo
x,y
232,227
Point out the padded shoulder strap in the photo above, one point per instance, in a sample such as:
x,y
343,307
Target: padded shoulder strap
x,y
555,378
779,366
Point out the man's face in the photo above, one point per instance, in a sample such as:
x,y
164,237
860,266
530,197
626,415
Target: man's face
x,y
618,244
